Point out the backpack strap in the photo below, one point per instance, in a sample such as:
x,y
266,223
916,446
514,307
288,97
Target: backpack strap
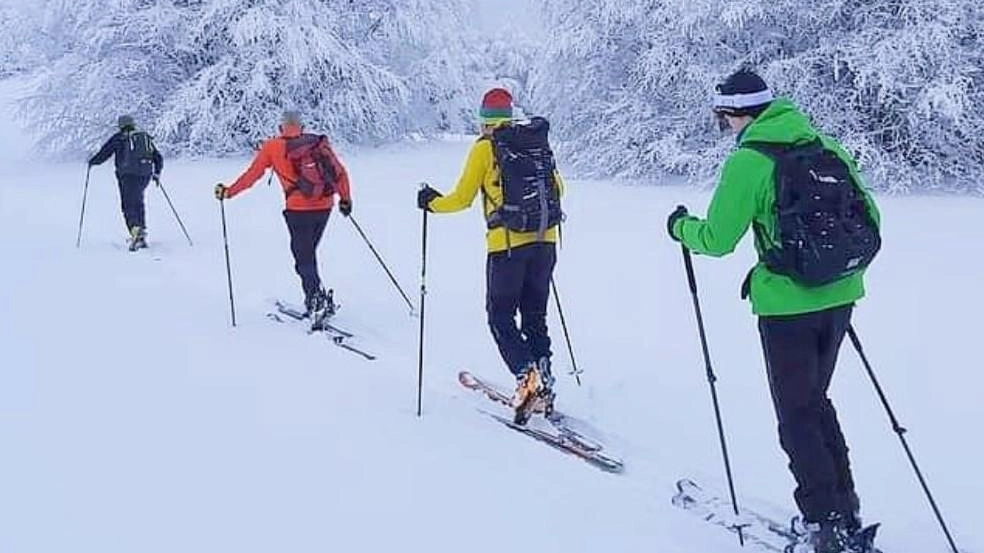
x,y
489,214
289,145
492,216
774,151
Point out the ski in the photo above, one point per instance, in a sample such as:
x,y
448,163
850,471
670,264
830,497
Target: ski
x,y
339,340
491,391
336,335
558,440
558,435
299,315
757,529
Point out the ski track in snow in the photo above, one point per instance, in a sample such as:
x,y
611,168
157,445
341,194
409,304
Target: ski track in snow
x,y
133,418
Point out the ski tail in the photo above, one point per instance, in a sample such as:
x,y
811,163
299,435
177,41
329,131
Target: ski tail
x,y
557,434
762,531
557,440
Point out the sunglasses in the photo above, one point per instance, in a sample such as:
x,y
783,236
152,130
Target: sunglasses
x,y
722,121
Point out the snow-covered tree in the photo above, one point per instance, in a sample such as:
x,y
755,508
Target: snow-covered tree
x,y
896,80
508,64
105,59
627,84
213,76
18,51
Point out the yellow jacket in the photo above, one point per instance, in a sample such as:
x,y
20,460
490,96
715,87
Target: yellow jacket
x,y
482,173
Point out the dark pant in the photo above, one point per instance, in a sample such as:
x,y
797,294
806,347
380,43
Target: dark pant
x,y
306,228
132,189
800,355
520,281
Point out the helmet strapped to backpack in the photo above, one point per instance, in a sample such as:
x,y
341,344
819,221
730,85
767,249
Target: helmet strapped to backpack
x,y
530,195
824,229
312,159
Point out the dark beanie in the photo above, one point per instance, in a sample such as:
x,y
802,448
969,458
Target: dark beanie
x,y
126,122
742,93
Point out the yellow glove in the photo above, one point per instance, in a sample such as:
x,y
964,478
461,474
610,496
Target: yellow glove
x,y
220,192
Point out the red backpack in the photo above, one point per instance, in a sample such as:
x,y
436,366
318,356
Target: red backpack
x,y
313,162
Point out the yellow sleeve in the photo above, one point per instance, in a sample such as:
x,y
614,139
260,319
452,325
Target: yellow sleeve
x,y
472,177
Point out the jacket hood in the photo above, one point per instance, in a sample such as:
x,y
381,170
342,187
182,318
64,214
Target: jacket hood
x,y
781,122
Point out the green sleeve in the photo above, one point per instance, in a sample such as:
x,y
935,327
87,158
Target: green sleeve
x,y
733,207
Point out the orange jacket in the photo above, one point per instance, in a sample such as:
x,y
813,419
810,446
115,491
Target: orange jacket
x,y
273,153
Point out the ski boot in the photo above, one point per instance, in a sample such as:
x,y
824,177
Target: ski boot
x,y
546,394
138,238
528,388
835,534
320,307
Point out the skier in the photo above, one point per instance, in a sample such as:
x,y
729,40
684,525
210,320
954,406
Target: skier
x,y
521,259
310,174
137,161
804,309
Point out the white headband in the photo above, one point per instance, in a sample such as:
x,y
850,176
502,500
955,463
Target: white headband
x,y
740,101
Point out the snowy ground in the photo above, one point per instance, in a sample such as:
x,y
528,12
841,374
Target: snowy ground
x,y
134,419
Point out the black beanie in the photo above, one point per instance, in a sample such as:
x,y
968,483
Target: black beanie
x,y
742,93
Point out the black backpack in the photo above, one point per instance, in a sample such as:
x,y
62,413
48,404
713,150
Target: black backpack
x,y
530,196
137,154
824,229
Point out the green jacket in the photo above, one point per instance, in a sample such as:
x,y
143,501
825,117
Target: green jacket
x,y
746,193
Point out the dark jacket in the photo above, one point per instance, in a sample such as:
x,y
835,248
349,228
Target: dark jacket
x,y
115,147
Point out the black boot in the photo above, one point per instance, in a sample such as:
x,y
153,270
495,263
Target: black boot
x,y
834,534
547,394
320,306
138,238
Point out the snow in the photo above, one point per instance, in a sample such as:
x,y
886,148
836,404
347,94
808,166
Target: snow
x,y
134,418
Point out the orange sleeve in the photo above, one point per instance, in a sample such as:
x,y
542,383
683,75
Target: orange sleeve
x,y
253,173
342,185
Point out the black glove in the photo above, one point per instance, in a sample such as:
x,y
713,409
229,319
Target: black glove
x,y
157,179
221,192
345,207
678,213
426,196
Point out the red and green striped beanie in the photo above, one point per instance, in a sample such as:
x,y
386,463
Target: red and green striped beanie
x,y
496,107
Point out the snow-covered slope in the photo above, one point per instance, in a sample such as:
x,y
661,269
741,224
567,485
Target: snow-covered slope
x,y
133,418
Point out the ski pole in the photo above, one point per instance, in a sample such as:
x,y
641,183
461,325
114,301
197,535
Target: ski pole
x,y
382,263
567,336
423,296
175,211
225,240
712,379
900,431
85,193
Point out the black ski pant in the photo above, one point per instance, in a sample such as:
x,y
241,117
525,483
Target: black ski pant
x,y
132,188
519,280
800,355
306,229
